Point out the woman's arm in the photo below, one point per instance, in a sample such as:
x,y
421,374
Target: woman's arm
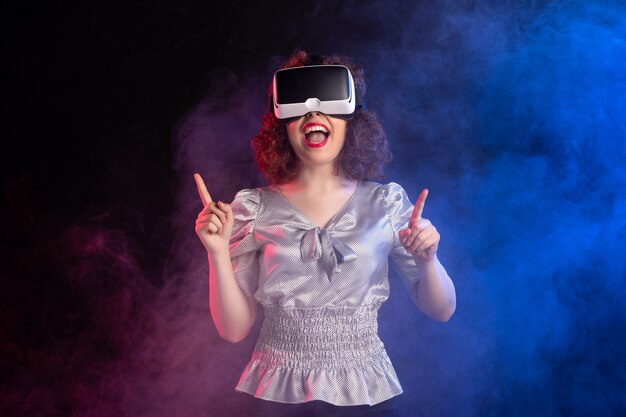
x,y
233,312
434,293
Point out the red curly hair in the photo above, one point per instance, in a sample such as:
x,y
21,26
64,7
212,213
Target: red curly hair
x,y
366,149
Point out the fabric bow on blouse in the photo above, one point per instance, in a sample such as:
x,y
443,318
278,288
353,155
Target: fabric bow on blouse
x,y
320,244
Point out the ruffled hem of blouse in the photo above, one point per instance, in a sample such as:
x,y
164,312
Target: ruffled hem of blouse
x,y
339,386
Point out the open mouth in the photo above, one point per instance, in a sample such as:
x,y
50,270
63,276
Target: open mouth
x,y
316,134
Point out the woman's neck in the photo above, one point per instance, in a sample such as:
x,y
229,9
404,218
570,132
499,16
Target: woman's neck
x,y
319,179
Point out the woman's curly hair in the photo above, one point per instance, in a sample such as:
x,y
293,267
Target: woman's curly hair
x,y
365,151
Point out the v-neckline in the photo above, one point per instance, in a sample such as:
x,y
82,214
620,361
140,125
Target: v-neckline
x,y
334,216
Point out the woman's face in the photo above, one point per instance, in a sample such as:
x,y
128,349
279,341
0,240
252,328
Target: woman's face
x,y
317,138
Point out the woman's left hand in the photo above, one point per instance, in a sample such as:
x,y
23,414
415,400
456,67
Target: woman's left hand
x,y
420,239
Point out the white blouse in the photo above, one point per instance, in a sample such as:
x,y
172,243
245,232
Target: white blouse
x,y
320,290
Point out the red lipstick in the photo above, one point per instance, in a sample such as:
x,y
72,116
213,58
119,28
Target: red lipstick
x,y
306,126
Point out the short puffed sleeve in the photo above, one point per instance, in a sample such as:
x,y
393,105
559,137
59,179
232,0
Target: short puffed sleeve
x,y
243,246
399,209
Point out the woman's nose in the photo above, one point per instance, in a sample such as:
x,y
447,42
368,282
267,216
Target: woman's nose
x,y
312,113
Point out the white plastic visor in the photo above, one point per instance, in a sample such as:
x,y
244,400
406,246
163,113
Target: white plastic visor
x,y
328,89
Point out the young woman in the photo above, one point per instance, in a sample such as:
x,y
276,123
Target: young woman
x,y
312,250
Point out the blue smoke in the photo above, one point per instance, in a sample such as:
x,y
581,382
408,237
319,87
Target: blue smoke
x,y
516,114
551,210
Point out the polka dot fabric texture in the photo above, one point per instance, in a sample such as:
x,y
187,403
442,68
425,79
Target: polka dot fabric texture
x,y
320,290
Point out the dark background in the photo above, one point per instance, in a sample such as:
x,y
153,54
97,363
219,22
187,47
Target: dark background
x,y
511,113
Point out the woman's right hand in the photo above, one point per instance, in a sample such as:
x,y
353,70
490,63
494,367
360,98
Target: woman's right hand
x,y
214,224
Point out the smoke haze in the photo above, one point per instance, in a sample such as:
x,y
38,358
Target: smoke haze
x,y
510,113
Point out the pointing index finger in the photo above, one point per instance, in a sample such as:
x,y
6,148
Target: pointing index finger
x,y
419,207
202,190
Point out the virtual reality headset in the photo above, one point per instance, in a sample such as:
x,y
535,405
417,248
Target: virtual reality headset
x,y
327,89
